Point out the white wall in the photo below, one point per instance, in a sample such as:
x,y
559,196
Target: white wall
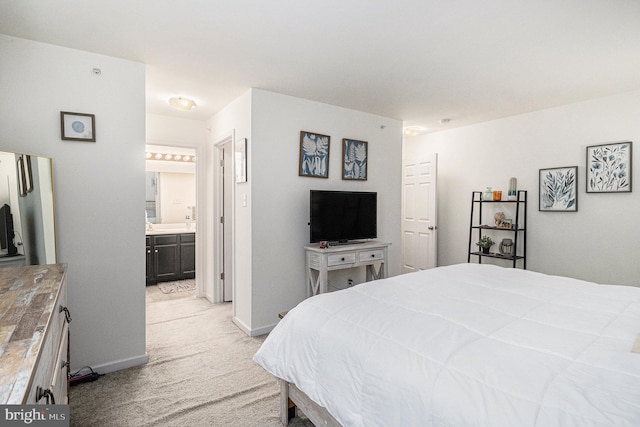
x,y
271,230
99,187
233,122
597,243
280,198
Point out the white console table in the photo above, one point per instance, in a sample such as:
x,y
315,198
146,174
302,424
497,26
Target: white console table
x,y
319,261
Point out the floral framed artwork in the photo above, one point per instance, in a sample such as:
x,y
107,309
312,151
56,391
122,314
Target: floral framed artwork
x,y
78,126
559,189
314,155
609,168
354,159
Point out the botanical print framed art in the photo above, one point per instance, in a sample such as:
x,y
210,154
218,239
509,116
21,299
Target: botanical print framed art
x,y
609,168
314,155
559,189
354,159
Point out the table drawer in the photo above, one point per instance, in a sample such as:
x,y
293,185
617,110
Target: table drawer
x,y
373,255
341,259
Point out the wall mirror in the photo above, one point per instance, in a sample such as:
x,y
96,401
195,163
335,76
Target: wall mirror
x,y
170,185
27,214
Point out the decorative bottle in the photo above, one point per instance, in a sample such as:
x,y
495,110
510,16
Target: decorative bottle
x,y
488,194
513,189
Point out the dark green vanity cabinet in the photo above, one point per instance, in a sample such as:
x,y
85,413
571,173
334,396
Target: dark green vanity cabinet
x,y
170,257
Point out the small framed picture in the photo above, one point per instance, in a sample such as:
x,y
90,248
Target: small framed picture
x,y
559,189
609,168
78,126
314,155
506,223
354,159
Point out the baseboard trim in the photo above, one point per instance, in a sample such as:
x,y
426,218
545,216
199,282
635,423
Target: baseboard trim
x,y
244,328
118,365
263,330
253,332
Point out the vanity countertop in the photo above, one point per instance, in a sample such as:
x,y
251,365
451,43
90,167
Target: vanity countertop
x,y
27,299
156,232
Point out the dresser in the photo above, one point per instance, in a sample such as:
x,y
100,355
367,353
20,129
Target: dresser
x,y
34,335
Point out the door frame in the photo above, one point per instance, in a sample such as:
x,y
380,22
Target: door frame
x,y
218,210
200,207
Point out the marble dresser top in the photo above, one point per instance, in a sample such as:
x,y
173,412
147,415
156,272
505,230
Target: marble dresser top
x,y
27,298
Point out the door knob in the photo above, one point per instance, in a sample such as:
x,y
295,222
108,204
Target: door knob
x,y
431,227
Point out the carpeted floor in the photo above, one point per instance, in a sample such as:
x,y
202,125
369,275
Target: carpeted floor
x,y
200,373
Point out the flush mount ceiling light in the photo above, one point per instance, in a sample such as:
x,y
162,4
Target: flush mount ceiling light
x,y
181,103
414,130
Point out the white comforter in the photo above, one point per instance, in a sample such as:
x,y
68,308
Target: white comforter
x,y
465,345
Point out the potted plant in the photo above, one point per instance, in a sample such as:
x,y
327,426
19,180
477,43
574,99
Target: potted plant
x,y
485,243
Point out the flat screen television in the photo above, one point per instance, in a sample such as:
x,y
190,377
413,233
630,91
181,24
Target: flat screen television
x,y
342,216
6,230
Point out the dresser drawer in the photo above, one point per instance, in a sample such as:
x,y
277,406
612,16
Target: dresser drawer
x,y
59,379
47,368
341,259
373,255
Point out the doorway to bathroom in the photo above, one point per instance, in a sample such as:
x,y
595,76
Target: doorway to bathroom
x,y
170,217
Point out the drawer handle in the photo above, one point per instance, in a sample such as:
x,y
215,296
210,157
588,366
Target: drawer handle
x,y
373,255
67,314
342,259
40,393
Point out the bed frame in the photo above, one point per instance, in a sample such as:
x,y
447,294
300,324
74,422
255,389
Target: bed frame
x,y
317,414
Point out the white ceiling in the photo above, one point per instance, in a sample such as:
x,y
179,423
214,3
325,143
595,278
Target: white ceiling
x,y
415,60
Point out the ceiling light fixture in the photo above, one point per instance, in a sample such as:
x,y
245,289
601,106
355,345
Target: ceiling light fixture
x,y
181,103
414,130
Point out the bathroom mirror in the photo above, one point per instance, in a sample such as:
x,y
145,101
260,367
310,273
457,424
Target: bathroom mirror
x,y
27,215
170,185
170,197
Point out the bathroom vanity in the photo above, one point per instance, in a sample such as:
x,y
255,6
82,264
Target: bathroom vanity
x,y
171,255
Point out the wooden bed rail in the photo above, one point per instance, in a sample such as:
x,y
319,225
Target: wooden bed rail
x,y
317,414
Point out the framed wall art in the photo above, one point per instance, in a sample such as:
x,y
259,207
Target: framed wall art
x,y
314,155
559,189
78,126
354,159
609,168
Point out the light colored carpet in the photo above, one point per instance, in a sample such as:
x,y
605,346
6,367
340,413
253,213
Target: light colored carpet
x,y
200,373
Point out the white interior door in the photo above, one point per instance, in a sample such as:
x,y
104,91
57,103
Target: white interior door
x,y
227,223
419,210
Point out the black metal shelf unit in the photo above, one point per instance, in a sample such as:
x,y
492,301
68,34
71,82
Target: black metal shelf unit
x,y
518,229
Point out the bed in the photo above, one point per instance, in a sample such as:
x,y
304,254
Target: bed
x,y
462,345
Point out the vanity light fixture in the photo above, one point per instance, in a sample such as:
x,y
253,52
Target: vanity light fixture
x,y
170,157
181,103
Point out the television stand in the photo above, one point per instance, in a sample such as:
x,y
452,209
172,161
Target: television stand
x,y
319,261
